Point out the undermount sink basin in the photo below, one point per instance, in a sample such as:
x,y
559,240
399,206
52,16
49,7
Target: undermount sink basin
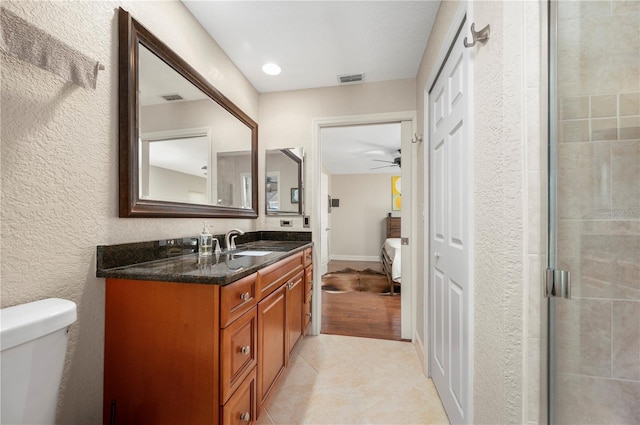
x,y
252,253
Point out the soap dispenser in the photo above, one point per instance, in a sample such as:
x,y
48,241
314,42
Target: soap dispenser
x,y
205,243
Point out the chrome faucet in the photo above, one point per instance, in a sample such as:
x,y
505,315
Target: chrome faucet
x,y
230,237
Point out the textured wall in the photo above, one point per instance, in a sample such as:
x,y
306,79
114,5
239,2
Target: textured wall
x,y
59,172
501,214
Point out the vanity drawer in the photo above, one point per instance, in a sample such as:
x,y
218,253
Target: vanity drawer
x,y
308,281
241,407
272,277
237,298
307,257
238,345
306,311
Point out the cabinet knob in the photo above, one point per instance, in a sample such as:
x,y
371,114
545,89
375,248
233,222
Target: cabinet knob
x,y
245,350
309,314
245,417
245,296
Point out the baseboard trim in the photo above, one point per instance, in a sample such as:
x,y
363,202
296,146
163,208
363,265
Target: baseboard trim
x,y
354,258
417,342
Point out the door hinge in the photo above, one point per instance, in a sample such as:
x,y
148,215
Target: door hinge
x,y
557,283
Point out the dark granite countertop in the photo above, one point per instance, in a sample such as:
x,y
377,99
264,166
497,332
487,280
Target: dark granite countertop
x,y
136,261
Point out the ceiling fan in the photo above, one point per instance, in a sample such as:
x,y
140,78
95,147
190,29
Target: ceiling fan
x,y
397,161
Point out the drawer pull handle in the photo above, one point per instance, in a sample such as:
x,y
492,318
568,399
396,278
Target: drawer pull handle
x,y
245,417
245,350
245,296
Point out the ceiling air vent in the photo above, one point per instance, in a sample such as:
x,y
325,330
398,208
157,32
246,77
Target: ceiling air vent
x,y
172,97
353,78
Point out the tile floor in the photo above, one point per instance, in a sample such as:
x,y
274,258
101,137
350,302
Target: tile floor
x,y
335,379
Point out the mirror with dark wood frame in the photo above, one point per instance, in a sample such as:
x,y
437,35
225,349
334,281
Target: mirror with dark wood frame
x,y
283,181
185,150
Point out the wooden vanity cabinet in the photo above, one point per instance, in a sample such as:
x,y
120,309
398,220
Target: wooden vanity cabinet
x,y
161,357
201,354
295,307
308,289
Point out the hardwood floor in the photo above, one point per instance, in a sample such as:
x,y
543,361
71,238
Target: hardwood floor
x,y
362,314
335,265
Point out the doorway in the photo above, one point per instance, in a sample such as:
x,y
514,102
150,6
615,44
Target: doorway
x,y
594,213
320,231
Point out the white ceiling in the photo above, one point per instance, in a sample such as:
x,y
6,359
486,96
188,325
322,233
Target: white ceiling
x,y
314,42
362,149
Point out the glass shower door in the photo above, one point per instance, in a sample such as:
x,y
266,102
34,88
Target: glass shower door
x,y
594,214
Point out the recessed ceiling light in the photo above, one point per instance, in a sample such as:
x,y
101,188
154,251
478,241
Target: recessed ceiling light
x,y
271,69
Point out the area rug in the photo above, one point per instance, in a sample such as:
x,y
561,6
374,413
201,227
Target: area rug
x,y
349,280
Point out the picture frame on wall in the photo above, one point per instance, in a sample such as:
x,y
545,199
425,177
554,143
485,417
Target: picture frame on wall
x,y
396,193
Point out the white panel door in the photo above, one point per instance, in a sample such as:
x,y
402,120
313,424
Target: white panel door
x,y
450,165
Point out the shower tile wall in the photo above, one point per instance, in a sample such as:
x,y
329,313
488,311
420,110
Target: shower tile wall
x,y
598,352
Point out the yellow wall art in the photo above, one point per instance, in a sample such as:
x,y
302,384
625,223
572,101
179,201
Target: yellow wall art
x,y
396,193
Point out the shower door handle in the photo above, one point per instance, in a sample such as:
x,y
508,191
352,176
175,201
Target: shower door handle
x,y
557,283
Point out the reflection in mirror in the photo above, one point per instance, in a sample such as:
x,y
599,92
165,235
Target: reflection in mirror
x,y
234,179
174,166
169,103
188,151
283,181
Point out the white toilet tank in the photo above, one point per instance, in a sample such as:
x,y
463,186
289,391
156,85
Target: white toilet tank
x,y
33,344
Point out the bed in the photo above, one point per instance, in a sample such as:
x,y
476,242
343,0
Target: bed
x,y
390,254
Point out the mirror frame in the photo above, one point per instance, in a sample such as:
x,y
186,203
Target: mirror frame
x,y
300,161
130,34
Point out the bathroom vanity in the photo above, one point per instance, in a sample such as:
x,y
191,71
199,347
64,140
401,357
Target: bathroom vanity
x,y
193,340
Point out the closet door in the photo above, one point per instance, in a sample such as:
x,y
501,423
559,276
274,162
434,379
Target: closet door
x,y
450,165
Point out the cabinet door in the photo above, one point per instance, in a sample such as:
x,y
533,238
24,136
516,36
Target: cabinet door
x,y
272,342
295,301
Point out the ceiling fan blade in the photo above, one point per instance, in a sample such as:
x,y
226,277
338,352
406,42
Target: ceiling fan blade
x,y
380,160
384,166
